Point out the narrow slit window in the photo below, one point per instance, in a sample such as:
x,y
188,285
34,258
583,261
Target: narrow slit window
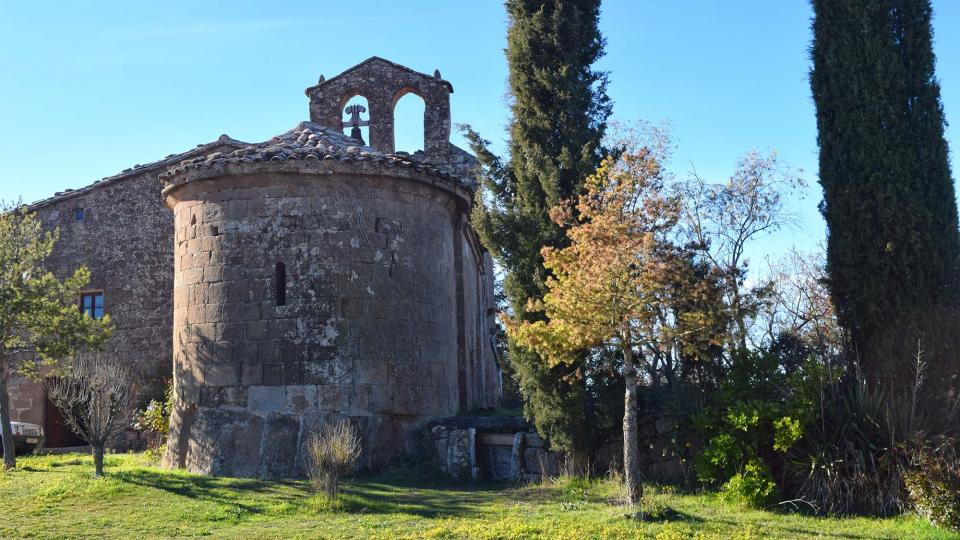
x,y
280,280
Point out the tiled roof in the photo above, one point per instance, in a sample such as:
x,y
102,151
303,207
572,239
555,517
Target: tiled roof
x,y
137,170
305,142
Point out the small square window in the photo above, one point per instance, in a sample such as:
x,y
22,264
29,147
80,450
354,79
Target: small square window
x,y
91,303
78,213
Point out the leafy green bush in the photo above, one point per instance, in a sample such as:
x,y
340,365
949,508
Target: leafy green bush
x,y
153,422
757,414
754,486
933,485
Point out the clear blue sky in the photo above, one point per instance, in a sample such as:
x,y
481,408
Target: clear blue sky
x,y
92,88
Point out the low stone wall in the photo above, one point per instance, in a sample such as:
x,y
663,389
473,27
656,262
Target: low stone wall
x,y
665,446
509,449
489,448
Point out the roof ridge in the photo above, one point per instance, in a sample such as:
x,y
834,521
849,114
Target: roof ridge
x,y
170,159
374,58
312,142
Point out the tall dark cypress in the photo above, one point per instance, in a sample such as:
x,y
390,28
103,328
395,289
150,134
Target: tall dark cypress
x,y
559,109
889,199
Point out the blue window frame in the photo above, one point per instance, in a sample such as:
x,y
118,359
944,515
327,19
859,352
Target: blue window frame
x,y
91,303
78,213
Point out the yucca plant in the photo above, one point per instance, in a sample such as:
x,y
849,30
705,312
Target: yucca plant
x,y
850,460
854,456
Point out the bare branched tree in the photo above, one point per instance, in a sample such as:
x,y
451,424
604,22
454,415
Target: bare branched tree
x,y
725,218
800,305
93,394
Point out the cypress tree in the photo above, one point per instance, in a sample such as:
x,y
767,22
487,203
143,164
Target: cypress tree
x,y
889,199
559,108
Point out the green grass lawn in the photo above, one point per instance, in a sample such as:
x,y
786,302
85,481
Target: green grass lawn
x,y
56,497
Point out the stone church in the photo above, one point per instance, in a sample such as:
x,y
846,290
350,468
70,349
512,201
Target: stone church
x,y
286,283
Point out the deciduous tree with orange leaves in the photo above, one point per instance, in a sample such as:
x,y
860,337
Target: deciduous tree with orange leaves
x,y
608,286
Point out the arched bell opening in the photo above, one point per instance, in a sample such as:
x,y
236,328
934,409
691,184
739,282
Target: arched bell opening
x,y
409,119
355,117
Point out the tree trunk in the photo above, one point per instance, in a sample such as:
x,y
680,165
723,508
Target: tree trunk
x,y
631,454
740,333
97,450
9,455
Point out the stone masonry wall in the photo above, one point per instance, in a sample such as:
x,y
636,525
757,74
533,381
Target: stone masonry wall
x,y
369,330
383,83
482,375
126,241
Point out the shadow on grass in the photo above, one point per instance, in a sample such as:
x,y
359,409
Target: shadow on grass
x,y
805,532
392,495
218,490
404,496
668,515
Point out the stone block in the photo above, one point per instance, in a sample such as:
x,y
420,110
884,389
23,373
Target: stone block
x,y
224,443
360,400
215,293
271,351
301,398
214,352
352,308
333,397
251,374
241,311
213,274
256,329
517,451
292,372
234,331
264,399
234,396
461,457
191,276
218,375
273,374
279,448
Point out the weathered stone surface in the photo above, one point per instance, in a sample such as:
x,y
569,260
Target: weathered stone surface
x,y
387,316
329,280
487,424
533,440
516,456
227,443
280,442
126,240
497,453
461,459
383,83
